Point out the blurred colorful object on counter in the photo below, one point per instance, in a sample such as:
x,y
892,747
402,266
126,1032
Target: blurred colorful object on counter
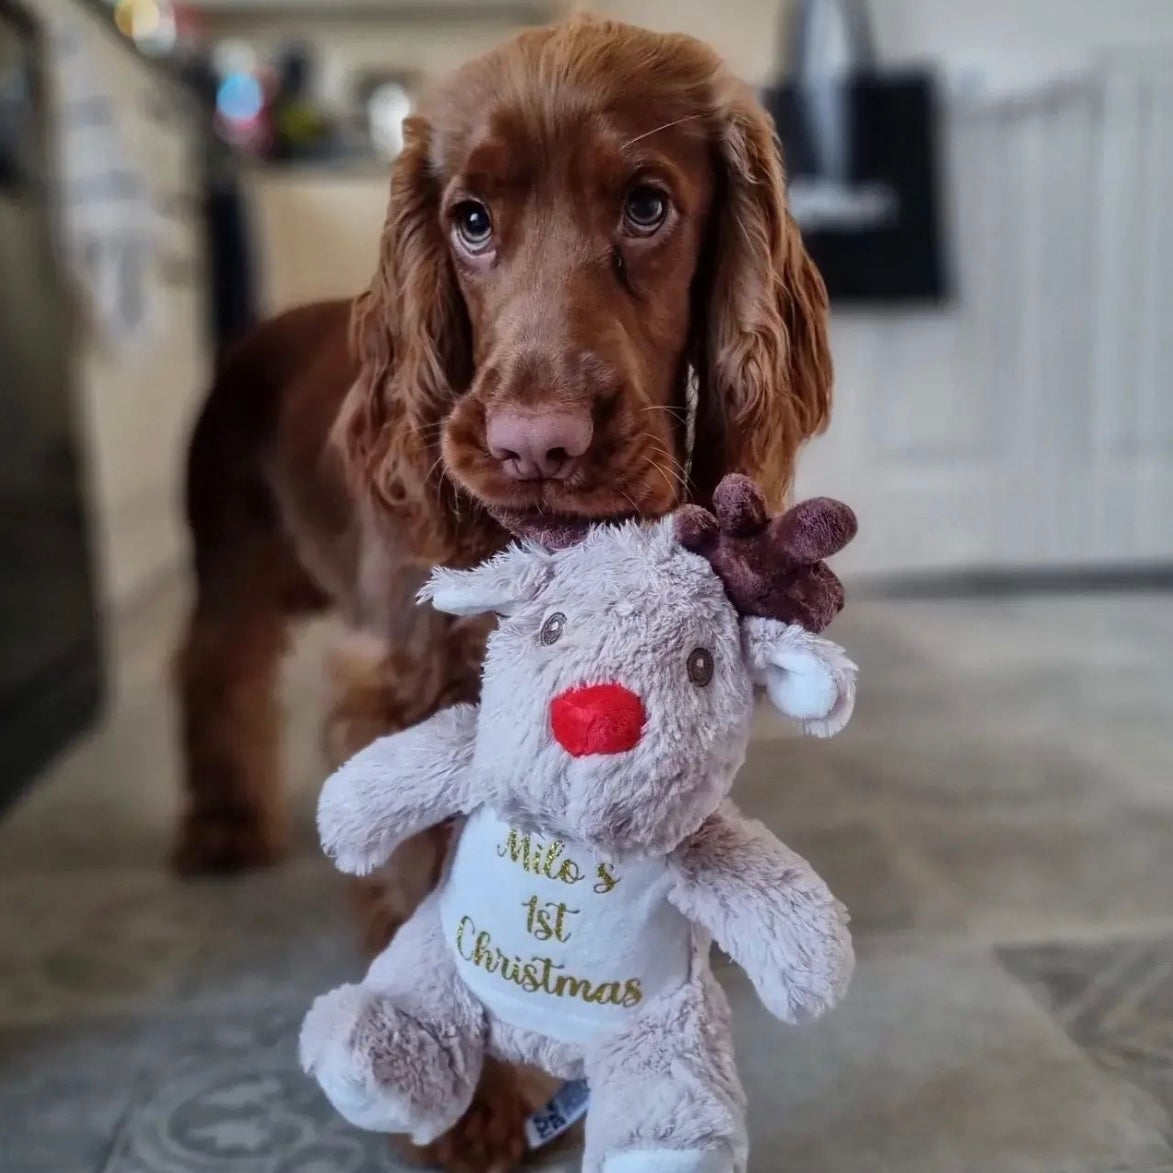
x,y
301,128
240,99
151,24
243,97
267,109
388,105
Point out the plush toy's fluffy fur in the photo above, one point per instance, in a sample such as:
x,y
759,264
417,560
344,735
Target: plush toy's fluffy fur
x,y
401,1050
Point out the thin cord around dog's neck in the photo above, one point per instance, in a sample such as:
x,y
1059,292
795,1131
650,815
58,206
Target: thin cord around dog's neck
x,y
692,396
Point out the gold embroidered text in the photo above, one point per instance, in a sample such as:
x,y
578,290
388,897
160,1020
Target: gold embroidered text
x,y
540,859
540,974
544,921
606,881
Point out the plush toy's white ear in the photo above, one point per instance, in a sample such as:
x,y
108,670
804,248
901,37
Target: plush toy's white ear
x,y
502,584
807,678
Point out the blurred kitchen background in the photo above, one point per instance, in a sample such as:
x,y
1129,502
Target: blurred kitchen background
x,y
170,172
209,164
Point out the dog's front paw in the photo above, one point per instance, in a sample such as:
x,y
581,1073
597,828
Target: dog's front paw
x,y
490,1136
219,844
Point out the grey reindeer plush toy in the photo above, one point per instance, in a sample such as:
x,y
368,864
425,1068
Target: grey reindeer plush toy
x,y
600,856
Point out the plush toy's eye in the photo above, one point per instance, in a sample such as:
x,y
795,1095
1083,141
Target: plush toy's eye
x,y
552,629
700,666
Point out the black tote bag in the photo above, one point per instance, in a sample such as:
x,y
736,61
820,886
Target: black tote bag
x,y
861,159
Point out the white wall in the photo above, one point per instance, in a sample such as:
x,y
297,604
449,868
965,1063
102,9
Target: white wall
x,y
1043,29
998,34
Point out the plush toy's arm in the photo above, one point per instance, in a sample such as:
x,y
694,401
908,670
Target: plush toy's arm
x,y
768,910
396,787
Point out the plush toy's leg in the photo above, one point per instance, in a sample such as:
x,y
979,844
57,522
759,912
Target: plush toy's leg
x,y
401,1051
665,1098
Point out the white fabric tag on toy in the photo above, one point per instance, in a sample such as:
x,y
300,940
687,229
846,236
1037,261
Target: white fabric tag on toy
x,y
567,1107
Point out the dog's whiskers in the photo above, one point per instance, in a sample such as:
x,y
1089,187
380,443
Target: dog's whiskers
x,y
664,126
654,445
630,500
677,413
435,465
674,481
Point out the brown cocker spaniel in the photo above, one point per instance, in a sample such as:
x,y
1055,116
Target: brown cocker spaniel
x,y
590,301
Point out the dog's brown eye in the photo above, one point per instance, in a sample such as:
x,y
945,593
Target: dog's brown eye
x,y
552,629
473,225
700,666
645,209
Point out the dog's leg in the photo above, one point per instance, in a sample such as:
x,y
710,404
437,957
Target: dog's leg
x,y
227,670
226,676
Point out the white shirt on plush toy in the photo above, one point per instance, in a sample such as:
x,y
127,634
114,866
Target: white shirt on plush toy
x,y
554,938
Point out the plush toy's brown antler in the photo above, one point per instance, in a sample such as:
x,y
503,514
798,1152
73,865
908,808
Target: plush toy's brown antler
x,y
772,568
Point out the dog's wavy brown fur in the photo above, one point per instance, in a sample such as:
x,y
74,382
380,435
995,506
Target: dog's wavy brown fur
x,y
341,451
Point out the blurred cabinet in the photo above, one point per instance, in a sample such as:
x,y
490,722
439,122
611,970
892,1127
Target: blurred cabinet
x,y
140,403
317,231
49,646
1029,425
139,394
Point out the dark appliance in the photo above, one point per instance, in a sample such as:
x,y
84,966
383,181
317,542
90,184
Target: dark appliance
x,y
50,663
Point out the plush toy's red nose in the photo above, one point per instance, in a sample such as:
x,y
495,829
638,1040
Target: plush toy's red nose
x,y
597,718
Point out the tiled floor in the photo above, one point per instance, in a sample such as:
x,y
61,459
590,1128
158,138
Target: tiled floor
x,y
999,817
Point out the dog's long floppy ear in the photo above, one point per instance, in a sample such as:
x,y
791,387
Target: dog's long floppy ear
x,y
764,362
410,334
